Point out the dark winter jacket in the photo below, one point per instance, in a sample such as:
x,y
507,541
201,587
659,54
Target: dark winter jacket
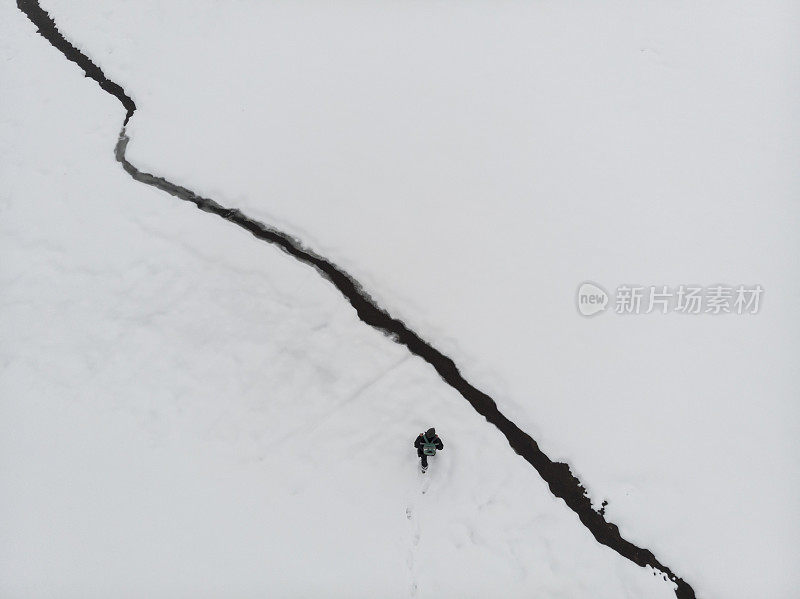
x,y
436,440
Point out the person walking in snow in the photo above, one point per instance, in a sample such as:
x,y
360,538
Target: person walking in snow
x,y
427,443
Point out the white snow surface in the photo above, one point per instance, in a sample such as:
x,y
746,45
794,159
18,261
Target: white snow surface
x,y
185,411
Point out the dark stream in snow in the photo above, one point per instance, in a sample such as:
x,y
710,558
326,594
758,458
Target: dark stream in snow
x,y
557,475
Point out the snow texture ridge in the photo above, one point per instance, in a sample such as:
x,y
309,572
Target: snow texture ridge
x,y
558,476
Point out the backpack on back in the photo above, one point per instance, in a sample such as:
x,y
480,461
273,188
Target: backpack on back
x,y
428,447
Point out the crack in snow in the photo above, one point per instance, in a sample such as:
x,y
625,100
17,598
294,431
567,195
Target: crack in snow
x,y
558,476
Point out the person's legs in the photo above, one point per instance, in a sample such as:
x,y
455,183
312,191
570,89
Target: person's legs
x,y
422,458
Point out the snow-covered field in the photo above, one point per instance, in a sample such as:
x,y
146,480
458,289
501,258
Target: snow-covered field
x,y
185,411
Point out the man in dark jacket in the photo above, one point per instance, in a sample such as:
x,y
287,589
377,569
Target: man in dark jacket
x,y
427,443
